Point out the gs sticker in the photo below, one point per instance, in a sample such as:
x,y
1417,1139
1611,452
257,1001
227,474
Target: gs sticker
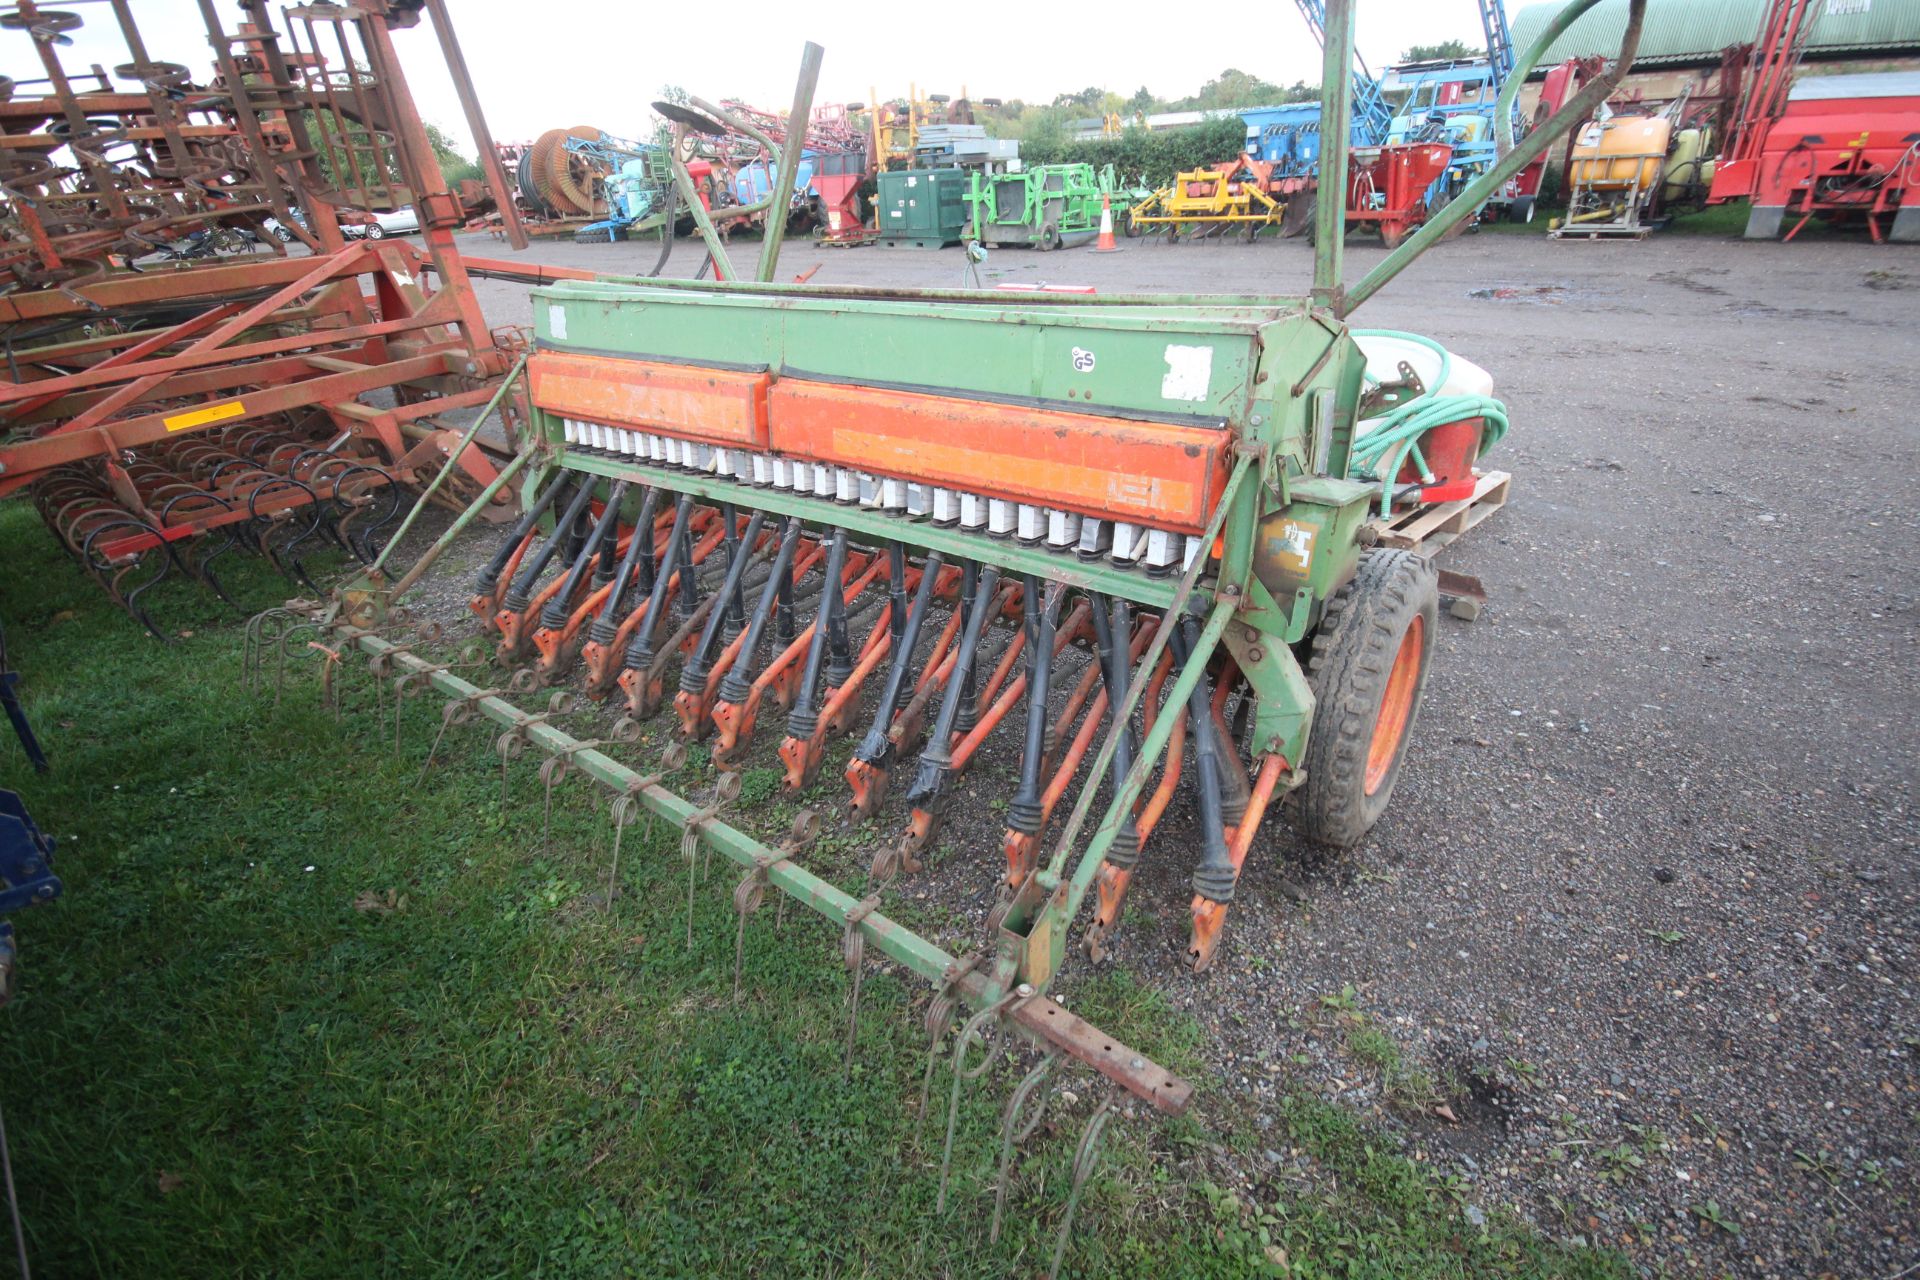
x,y
1082,361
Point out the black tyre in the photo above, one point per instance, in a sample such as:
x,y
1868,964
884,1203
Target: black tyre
x,y
1521,210
376,232
1368,670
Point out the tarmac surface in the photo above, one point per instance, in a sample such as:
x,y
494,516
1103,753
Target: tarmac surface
x,y
1642,916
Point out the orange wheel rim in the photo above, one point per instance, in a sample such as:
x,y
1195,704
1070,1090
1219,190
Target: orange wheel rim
x,y
1396,705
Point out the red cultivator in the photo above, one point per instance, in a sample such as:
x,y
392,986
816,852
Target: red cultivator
x,y
321,378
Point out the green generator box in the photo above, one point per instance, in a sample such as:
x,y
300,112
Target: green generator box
x,y
922,208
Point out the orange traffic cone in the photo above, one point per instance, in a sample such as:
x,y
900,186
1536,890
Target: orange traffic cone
x,y
1105,243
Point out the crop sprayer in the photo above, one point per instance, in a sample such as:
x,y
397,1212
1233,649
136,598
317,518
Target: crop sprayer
x,y
1123,532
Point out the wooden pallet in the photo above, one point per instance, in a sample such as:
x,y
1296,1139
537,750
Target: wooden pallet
x,y
1427,529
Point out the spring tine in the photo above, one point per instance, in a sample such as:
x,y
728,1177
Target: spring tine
x,y
867,773
1085,1157
969,1034
1011,1131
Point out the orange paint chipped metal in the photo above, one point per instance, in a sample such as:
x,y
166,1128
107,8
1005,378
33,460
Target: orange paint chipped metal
x,y
723,406
1143,472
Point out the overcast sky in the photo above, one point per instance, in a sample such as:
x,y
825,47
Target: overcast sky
x,y
544,64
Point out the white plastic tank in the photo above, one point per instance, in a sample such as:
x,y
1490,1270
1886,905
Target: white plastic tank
x,y
1385,353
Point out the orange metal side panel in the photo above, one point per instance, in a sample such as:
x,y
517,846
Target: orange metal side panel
x,y
1140,472
718,406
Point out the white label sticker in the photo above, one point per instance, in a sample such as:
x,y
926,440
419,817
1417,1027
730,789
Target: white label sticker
x,y
1082,361
913,182
1189,371
557,321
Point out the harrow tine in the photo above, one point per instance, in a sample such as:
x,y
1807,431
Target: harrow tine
x,y
1010,1119
969,1034
1085,1157
867,772
853,949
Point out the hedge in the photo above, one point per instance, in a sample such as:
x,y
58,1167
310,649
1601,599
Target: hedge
x,y
1152,156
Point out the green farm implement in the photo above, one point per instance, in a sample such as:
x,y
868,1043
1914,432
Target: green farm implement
x,y
1125,545
1046,206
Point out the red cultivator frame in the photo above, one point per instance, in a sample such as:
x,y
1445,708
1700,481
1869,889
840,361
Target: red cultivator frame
x,y
151,296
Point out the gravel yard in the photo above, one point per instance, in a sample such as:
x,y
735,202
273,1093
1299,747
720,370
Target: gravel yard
x,y
1633,950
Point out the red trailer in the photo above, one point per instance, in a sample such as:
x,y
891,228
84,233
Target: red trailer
x,y
1846,150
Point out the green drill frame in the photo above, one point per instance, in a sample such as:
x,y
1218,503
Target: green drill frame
x,y
1283,377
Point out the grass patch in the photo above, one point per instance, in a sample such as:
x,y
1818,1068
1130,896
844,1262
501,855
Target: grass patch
x,y
297,1016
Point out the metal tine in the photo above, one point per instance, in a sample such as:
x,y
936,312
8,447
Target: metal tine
x,y
867,772
928,788
486,600
751,892
1085,1157
970,1034
1010,1121
690,702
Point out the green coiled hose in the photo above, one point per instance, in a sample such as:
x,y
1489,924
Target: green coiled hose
x,y
1395,436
